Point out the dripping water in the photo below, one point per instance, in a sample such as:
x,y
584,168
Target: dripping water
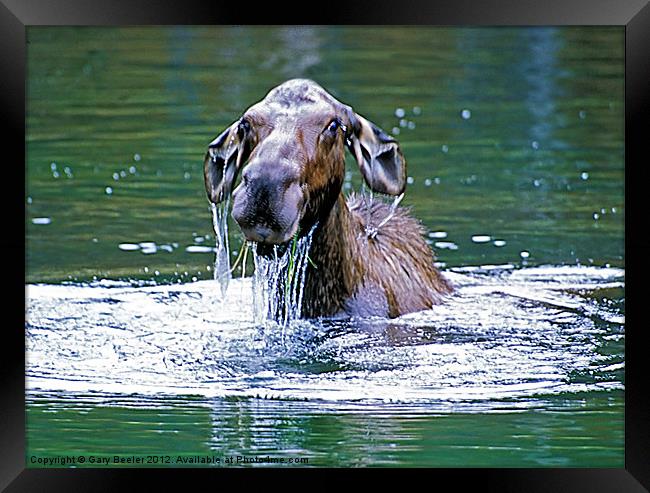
x,y
279,281
222,272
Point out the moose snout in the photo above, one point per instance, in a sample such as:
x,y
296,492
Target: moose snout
x,y
267,203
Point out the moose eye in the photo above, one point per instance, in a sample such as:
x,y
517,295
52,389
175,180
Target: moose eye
x,y
333,125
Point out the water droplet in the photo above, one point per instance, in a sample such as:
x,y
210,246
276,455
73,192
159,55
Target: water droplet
x,y
438,234
444,148
123,173
534,144
584,175
127,247
41,220
29,200
524,254
536,183
596,216
395,131
481,238
108,190
187,175
136,157
582,114
409,180
55,174
157,272
448,245
499,243
403,123
399,112
53,166
436,180
95,240
466,114
417,110
132,170
199,249
411,125
116,176
146,269
427,182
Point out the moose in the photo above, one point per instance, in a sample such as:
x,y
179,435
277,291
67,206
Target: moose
x,y
366,257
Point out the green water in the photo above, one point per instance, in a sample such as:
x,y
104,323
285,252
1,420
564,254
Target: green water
x,y
512,133
546,437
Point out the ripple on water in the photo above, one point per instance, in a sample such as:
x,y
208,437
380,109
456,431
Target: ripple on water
x,y
506,333
147,247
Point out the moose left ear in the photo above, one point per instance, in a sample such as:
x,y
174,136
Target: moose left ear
x,y
378,155
223,161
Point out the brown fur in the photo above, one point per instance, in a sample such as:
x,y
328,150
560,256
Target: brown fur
x,y
388,275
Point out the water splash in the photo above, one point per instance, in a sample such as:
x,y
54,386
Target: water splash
x,y
222,272
279,281
506,333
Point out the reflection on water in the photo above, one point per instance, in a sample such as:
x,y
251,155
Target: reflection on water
x,y
350,435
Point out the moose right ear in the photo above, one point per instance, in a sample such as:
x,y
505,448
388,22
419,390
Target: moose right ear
x,y
378,155
223,161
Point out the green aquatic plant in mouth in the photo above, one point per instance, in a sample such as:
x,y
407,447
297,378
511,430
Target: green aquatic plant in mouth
x,y
291,267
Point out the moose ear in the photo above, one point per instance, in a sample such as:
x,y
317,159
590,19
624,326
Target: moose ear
x,y
223,161
378,155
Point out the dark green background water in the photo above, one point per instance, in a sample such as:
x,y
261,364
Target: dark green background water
x,y
515,133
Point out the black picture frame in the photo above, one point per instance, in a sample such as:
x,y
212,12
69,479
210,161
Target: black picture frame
x,y
15,15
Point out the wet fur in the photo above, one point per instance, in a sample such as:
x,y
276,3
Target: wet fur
x,y
388,275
